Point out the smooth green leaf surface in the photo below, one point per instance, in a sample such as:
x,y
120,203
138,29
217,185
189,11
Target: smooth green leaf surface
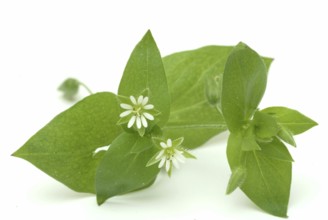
x,y
65,147
268,179
192,117
244,83
248,142
122,171
145,71
237,178
290,119
276,149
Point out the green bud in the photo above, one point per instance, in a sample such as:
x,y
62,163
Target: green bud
x,y
213,89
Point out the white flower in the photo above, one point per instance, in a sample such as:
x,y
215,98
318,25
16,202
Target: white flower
x,y
138,111
171,154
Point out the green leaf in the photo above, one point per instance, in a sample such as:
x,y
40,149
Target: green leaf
x,y
237,179
244,82
122,171
276,149
249,142
290,119
65,147
265,125
145,71
268,180
287,136
192,117
141,145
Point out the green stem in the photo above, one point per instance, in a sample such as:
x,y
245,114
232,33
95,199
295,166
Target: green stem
x,y
86,87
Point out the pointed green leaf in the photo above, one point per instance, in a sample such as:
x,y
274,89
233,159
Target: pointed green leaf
x,y
237,179
145,71
287,136
65,147
268,180
244,82
290,119
121,171
265,125
277,150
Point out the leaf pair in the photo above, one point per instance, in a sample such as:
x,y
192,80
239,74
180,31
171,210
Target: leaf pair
x,y
259,160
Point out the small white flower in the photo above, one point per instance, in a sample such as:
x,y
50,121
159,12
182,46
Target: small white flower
x,y
138,111
170,155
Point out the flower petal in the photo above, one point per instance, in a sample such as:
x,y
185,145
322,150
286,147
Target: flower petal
x,y
133,100
175,163
149,106
138,122
144,121
161,153
179,156
163,145
126,106
148,116
169,142
160,165
167,165
140,99
145,101
132,120
126,113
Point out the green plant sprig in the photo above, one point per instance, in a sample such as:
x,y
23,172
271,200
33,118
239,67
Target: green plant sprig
x,y
110,144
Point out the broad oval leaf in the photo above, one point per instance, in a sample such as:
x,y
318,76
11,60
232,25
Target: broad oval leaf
x,y
292,120
65,147
145,71
192,117
122,171
244,83
268,180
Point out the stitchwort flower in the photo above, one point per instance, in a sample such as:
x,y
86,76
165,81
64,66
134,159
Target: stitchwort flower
x,y
170,155
138,112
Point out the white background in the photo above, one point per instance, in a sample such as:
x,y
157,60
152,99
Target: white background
x,y
44,42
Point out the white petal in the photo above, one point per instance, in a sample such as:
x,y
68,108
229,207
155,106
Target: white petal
x,y
175,163
138,122
160,154
163,145
179,157
132,120
126,113
140,99
144,121
167,165
133,100
169,142
126,106
160,165
149,106
148,116
145,100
